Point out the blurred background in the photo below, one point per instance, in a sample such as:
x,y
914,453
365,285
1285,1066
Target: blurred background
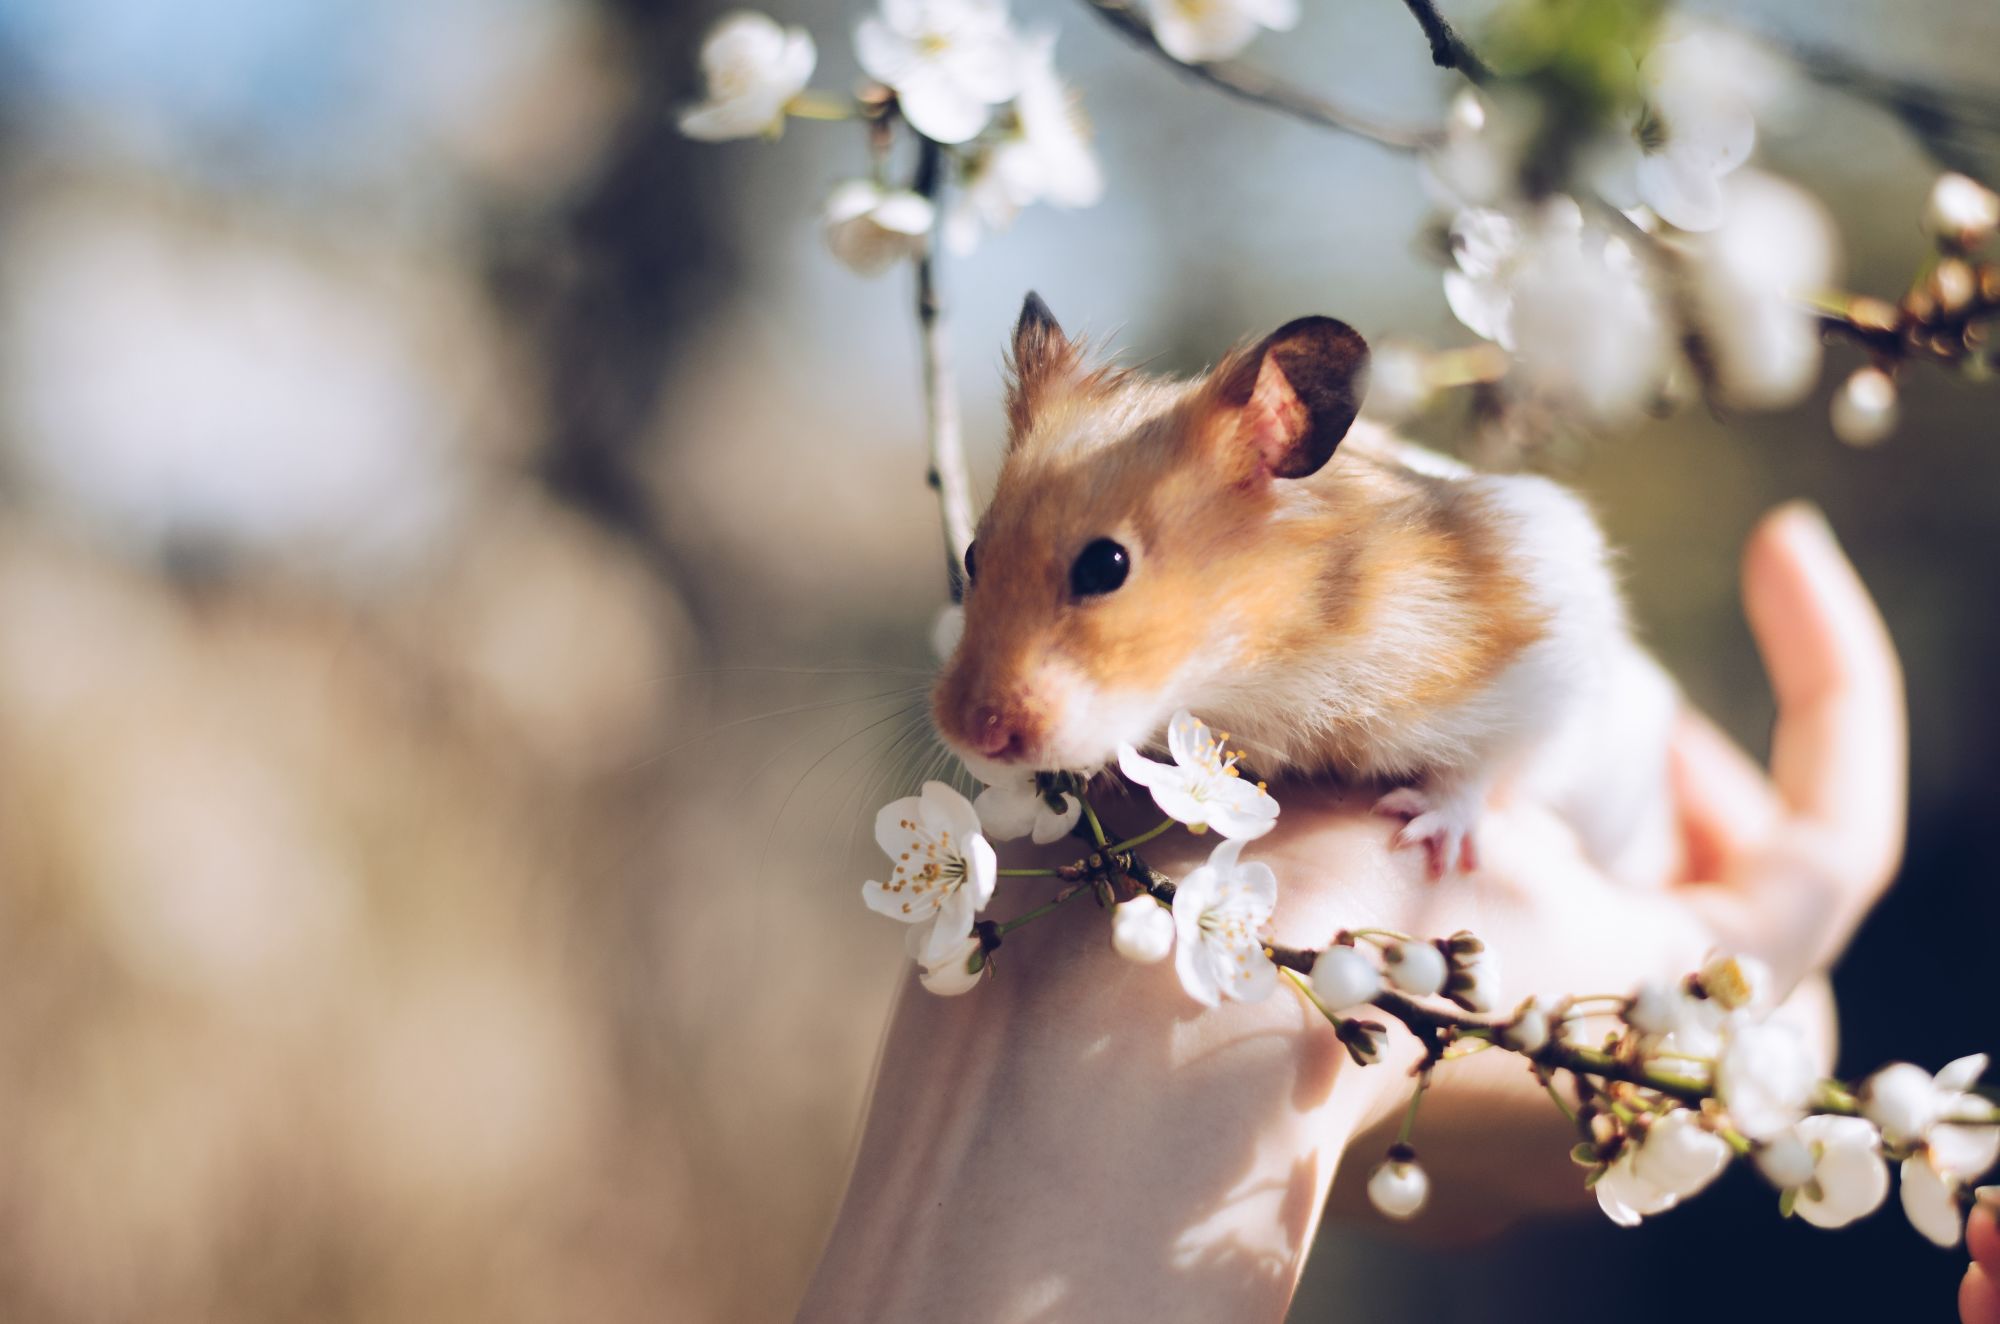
x,y
465,577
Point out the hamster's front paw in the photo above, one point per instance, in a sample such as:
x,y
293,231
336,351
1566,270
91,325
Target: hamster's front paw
x,y
1442,823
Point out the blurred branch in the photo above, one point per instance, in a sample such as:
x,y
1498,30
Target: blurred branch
x,y
948,475
1448,49
1946,319
1941,119
1245,83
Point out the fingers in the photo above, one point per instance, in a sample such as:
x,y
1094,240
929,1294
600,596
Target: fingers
x,y
1726,803
1838,753
1979,1293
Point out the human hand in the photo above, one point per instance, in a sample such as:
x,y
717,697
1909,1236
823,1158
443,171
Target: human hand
x,y
1781,866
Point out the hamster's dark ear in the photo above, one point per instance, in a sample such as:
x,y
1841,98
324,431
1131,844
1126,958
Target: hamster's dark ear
x,y
1042,358
1288,400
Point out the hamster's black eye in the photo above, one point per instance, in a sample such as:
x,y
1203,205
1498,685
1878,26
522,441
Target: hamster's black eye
x,y
970,573
1099,568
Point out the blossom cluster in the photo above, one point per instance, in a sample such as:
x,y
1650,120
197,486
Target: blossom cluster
x,y
959,75
1671,1082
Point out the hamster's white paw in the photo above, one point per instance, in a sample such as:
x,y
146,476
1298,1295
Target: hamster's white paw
x,y
1444,825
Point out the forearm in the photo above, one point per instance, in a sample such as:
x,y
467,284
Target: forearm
x,y
1078,1137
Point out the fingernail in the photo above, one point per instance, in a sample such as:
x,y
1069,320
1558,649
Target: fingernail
x,y
1807,515
1988,1196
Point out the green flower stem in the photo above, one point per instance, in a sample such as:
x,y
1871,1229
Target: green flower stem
x,y
1028,917
1306,991
1548,1080
1416,1101
1096,825
822,106
1025,873
1131,843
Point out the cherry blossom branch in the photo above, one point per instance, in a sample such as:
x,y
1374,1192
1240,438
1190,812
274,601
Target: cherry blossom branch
x,y
1248,84
947,476
1943,320
1448,49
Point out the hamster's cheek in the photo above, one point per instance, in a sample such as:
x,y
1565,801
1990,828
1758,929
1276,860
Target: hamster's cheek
x,y
1088,721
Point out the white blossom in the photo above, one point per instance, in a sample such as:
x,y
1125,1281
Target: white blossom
x,y
871,228
1142,930
1198,31
1200,787
1693,127
1738,983
1529,1032
1417,968
1019,807
1676,1159
1913,1107
1832,1165
1399,1187
1962,210
1220,911
1864,408
1775,245
944,870
957,970
753,68
1488,133
1045,156
949,61
1343,978
1545,287
1765,1077
1930,1199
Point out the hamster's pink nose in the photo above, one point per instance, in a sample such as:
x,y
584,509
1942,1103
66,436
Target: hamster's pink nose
x,y
993,734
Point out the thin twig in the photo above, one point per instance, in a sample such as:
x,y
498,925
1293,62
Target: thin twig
x,y
1258,88
1448,49
948,476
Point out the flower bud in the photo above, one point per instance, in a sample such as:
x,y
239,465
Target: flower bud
x,y
959,972
1864,408
1399,1187
1530,1031
1736,982
1474,981
1654,1009
1962,211
1365,1040
1902,1100
1142,930
1417,968
1785,1160
1342,978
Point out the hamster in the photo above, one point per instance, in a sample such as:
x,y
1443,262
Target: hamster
x,y
1337,600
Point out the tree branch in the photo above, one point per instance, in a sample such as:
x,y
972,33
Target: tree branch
x,y
1448,49
1252,85
948,475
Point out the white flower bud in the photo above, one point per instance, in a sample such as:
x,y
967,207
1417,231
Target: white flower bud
x,y
1474,981
1655,1009
1901,1099
871,229
1530,1031
1417,968
1399,1187
1864,408
1765,1077
1736,982
1931,1202
1962,210
1343,978
1785,1160
1142,930
960,970
1679,1156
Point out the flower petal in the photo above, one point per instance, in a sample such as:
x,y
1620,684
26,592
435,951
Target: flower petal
x,y
1963,1152
1139,769
1008,810
1052,826
1931,1203
1963,1073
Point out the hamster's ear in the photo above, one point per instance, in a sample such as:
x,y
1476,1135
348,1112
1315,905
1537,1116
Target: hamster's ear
x,y
1286,402
1043,358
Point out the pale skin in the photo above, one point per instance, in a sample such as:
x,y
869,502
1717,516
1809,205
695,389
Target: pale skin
x,y
1077,1139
